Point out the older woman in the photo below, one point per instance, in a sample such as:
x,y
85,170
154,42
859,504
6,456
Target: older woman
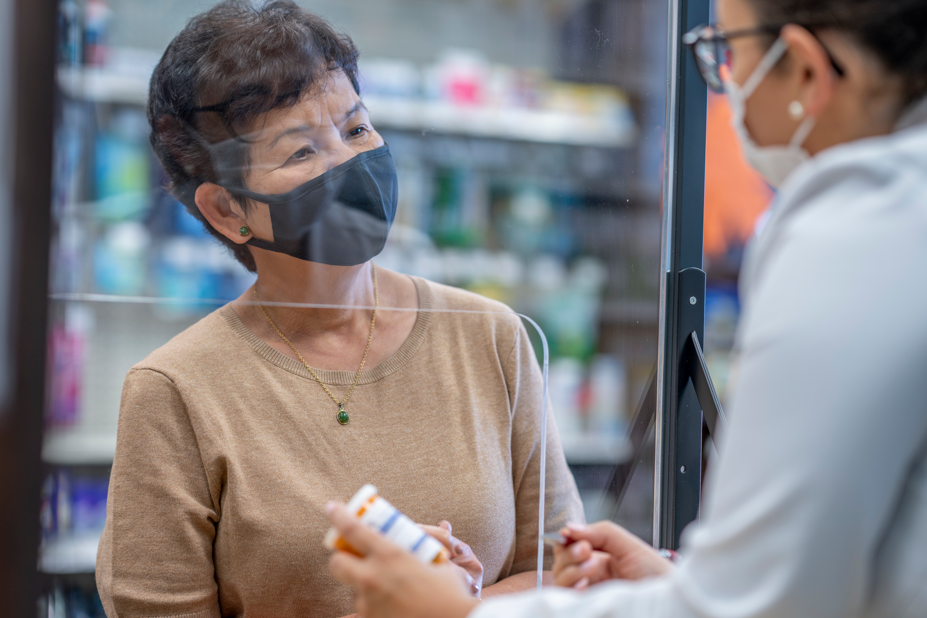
x,y
234,435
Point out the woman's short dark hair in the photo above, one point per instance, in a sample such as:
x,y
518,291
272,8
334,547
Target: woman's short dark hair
x,y
894,30
226,68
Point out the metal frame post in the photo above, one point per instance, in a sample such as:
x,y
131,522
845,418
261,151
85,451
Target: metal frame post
x,y
29,118
678,428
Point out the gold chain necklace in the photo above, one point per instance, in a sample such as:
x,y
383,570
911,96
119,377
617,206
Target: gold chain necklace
x,y
342,415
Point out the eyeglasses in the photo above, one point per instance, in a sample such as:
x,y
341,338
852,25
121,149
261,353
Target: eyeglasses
x,y
709,45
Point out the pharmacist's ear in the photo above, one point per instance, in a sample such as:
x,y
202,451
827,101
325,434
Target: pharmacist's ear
x,y
815,79
223,212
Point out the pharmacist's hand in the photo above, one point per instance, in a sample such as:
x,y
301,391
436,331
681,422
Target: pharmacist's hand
x,y
390,582
461,555
604,551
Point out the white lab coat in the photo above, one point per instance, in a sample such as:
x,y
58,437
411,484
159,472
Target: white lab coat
x,y
817,505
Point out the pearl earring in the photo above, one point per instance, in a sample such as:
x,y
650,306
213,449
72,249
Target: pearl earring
x,y
796,110
244,231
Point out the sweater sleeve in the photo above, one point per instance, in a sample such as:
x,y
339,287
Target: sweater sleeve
x,y
561,501
155,557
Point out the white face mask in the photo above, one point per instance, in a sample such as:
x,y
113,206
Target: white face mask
x,y
775,163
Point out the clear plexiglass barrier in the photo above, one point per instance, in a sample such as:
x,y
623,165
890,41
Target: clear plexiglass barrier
x,y
248,417
446,418
216,374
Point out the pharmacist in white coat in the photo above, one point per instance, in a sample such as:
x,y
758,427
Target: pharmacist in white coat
x,y
817,505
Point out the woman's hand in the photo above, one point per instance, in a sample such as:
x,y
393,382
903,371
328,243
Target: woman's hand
x,y
390,582
604,551
461,555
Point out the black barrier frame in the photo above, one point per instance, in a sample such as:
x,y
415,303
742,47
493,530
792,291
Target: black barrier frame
x,y
693,370
678,427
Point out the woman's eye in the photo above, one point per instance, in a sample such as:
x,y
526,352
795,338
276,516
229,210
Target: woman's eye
x,y
301,155
356,131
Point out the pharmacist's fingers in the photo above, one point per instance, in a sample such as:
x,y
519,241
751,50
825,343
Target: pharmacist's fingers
x,y
606,536
567,561
571,555
357,535
593,570
568,577
348,569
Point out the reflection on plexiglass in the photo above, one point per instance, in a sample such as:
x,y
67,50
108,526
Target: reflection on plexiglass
x,y
529,171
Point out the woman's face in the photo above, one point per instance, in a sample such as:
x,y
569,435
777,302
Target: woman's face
x,y
767,115
293,145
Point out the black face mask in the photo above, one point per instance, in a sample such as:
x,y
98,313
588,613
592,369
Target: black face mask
x,y
341,218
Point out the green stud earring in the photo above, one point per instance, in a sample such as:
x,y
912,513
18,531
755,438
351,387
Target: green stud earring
x,y
244,231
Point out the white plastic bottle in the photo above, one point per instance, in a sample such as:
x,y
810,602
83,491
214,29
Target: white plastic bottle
x,y
381,516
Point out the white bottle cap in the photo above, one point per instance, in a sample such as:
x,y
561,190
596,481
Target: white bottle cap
x,y
363,495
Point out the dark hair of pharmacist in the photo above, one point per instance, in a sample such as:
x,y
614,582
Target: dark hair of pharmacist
x,y
229,66
895,31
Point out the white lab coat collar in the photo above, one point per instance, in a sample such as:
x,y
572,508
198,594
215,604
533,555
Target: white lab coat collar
x,y
900,156
914,116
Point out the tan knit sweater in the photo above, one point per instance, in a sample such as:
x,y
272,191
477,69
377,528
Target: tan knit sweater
x,y
228,451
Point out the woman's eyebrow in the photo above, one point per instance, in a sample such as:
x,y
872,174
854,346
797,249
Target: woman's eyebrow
x,y
356,108
303,128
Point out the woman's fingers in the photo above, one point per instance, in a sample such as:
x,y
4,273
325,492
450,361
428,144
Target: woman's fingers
x,y
442,535
461,555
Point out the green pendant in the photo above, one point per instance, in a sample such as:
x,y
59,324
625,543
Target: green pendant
x,y
343,416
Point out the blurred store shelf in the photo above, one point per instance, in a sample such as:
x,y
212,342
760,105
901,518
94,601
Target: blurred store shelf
x,y
69,554
79,447
595,449
516,124
103,86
